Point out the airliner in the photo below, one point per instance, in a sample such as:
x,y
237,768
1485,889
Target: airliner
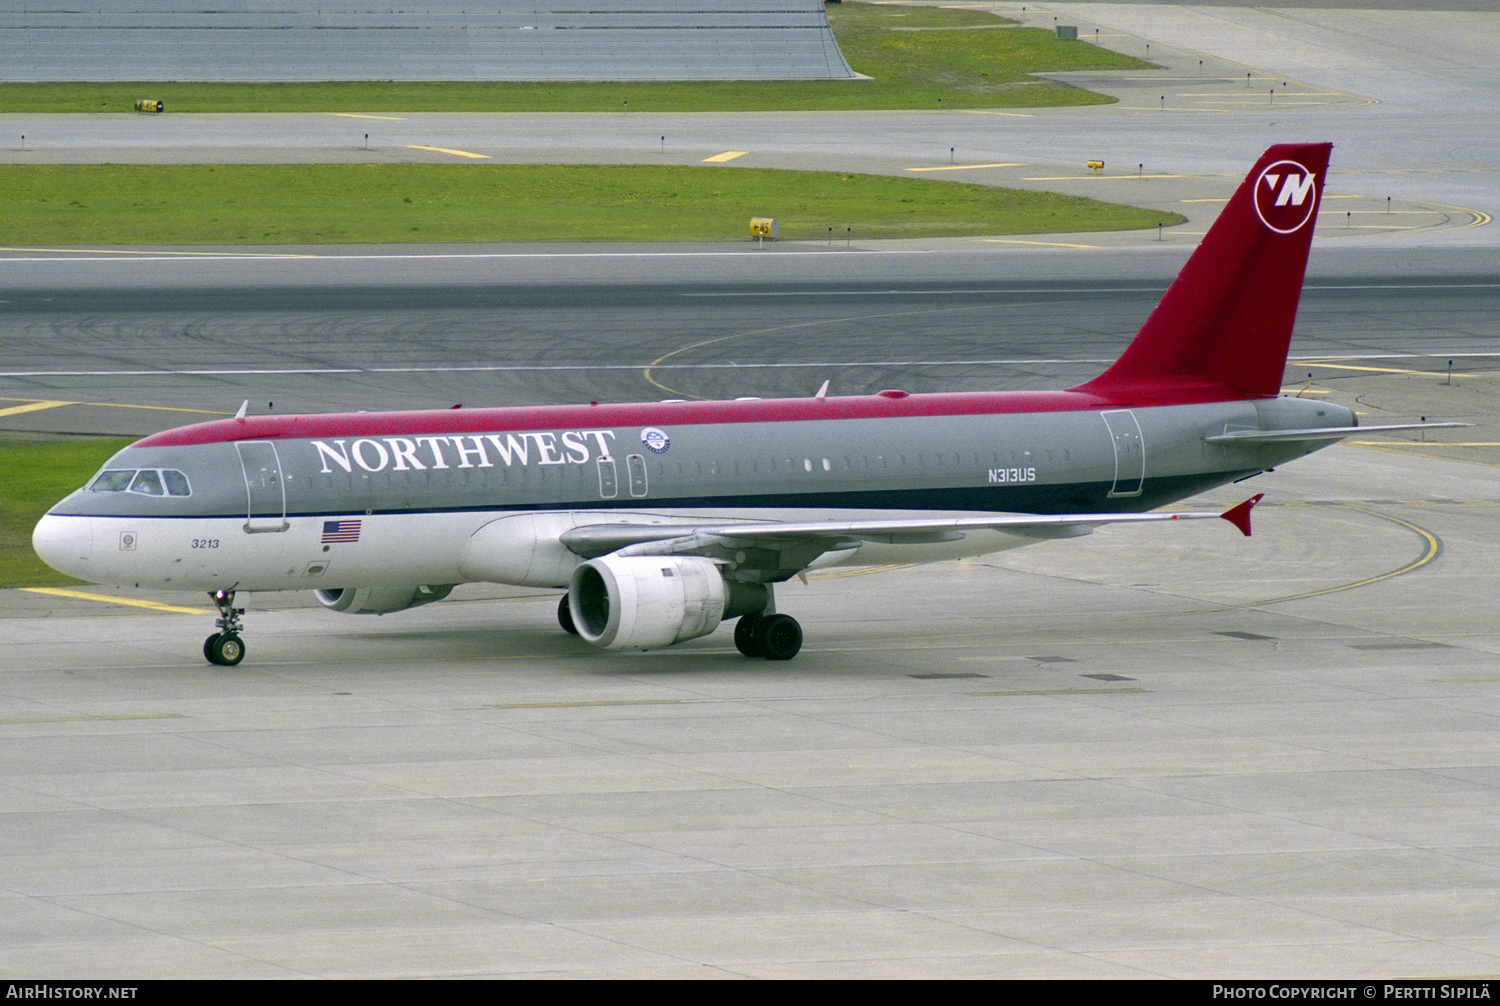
x,y
660,521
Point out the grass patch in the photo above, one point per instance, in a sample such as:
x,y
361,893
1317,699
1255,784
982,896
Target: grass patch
x,y
919,57
37,475
332,203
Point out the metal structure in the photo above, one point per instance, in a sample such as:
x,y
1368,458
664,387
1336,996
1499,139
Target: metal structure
x,y
283,40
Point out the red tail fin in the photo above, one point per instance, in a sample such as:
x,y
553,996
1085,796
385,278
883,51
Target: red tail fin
x,y
1224,324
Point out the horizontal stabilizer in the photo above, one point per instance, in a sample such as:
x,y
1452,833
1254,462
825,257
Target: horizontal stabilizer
x,y
1319,433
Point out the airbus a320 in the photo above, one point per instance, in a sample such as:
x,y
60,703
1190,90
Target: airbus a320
x,y
661,521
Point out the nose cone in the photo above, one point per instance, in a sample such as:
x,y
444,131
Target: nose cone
x,y
65,543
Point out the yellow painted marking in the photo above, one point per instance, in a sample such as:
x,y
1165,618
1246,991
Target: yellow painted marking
x,y
1306,391
105,405
1480,219
1373,370
155,408
356,115
967,167
96,719
1043,244
987,111
1106,178
1422,443
106,599
1410,171
727,155
575,705
16,410
1381,210
1251,94
866,571
1429,553
446,150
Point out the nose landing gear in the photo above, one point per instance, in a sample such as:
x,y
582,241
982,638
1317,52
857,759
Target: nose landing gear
x,y
225,647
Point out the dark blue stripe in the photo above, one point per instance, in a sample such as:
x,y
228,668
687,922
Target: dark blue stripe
x,y
1079,498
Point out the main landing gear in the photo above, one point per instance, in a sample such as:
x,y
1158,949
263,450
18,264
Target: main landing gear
x,y
775,637
565,617
225,647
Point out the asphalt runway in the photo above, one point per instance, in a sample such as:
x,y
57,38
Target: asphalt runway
x,y
330,348
1147,753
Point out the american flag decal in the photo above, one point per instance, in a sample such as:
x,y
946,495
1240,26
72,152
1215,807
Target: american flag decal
x,y
340,530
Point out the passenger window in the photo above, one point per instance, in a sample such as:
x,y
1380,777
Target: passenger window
x,y
112,482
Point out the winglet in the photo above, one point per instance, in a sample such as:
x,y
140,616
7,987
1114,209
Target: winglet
x,y
1239,516
244,410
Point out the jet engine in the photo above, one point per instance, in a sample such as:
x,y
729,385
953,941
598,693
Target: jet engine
x,y
379,600
643,602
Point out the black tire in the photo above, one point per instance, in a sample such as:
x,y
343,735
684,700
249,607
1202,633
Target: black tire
x,y
565,617
226,649
780,637
747,635
208,648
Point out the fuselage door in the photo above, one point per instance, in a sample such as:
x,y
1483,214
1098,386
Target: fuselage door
x,y
1130,453
264,491
636,464
609,488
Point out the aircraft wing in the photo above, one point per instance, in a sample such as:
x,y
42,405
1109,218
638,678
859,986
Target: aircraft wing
x,y
796,544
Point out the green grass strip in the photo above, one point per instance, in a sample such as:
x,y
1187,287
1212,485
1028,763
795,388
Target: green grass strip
x,y
339,203
918,57
37,475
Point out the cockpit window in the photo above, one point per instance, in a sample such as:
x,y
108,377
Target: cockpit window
x,y
143,482
112,482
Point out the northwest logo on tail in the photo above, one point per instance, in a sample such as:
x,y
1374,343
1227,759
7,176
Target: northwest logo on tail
x,y
1286,196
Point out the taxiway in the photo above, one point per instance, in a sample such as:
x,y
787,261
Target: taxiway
x,y
1144,754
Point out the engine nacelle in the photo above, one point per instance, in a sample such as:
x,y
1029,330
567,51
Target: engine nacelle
x,y
379,600
644,602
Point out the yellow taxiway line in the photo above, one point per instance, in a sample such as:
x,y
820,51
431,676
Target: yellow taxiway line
x,y
969,167
130,602
1043,244
16,410
36,405
447,150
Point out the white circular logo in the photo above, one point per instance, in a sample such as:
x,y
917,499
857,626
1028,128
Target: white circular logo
x,y
1286,196
655,440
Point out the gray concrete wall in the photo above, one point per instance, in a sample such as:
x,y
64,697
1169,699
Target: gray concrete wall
x,y
281,40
